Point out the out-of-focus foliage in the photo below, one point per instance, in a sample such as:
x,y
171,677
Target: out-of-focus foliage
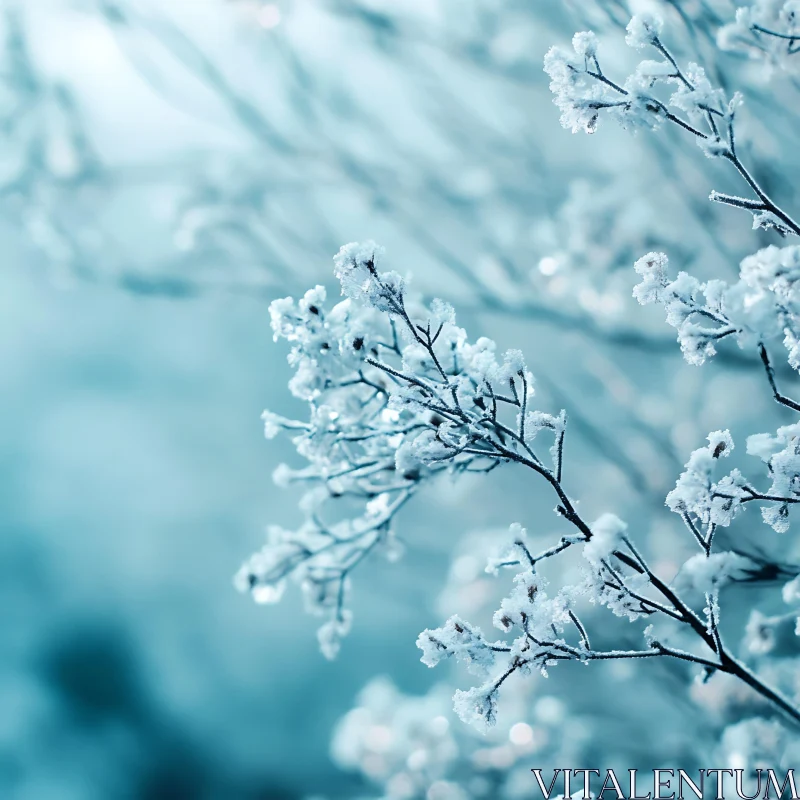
x,y
165,168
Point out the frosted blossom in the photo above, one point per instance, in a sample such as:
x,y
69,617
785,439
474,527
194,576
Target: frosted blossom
x,y
682,300
529,608
766,445
585,44
653,269
536,620
581,96
777,517
606,586
272,424
762,305
356,267
781,453
583,92
265,569
397,394
697,494
536,421
643,30
283,475
720,443
607,532
769,296
441,313
717,147
695,96
297,320
457,638
774,269
792,344
708,574
477,706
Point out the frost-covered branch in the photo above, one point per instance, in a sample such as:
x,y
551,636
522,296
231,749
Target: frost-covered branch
x,y
760,307
582,91
619,578
397,394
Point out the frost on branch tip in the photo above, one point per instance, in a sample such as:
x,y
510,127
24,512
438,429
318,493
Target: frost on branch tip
x,y
541,629
459,639
763,305
697,495
781,454
660,91
583,92
643,30
396,395
705,503
535,617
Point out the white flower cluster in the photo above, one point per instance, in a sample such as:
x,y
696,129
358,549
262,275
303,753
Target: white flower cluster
x,y
707,574
396,394
761,306
680,297
768,31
